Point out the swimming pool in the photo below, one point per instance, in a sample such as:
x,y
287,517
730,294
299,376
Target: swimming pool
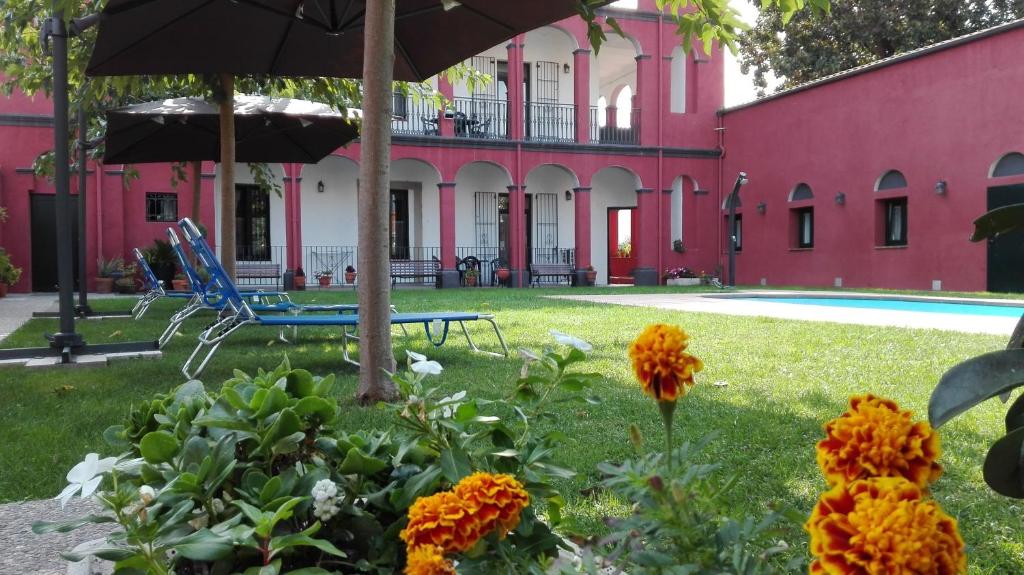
x,y
898,305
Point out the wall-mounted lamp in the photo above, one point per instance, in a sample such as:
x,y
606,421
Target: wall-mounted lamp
x,y
320,186
940,187
840,198
568,196
566,68
762,207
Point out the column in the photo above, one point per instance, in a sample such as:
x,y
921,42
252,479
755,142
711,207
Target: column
x,y
517,236
645,99
645,238
581,213
449,273
515,88
581,94
446,124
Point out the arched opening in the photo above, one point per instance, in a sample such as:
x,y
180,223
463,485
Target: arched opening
x,y
891,180
613,72
549,113
551,231
483,219
891,211
414,218
677,96
801,217
1011,164
613,223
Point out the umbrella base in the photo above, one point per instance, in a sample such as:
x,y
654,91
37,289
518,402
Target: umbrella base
x,y
64,351
84,313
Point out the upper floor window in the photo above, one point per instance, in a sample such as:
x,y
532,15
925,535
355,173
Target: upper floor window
x,y
678,78
891,218
895,221
802,217
161,207
1011,164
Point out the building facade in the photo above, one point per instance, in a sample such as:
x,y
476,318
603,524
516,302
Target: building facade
x,y
619,160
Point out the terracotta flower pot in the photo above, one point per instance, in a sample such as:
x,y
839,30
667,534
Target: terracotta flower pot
x,y
502,274
180,285
300,283
350,277
471,281
325,281
104,285
591,277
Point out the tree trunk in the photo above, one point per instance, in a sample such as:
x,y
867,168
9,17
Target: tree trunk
x,y
197,190
375,354
227,174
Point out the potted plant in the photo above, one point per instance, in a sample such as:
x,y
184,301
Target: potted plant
x,y
324,278
591,275
9,274
350,274
161,258
106,272
681,277
678,247
300,279
126,283
472,275
180,282
501,272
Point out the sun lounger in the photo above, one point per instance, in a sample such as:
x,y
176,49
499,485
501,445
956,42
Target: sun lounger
x,y
238,313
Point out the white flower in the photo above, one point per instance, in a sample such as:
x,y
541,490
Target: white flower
x,y
566,339
324,510
416,357
218,506
323,490
147,494
86,477
451,403
427,368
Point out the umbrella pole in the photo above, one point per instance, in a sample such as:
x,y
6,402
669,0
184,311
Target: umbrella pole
x,y
375,354
83,291
197,190
66,340
227,174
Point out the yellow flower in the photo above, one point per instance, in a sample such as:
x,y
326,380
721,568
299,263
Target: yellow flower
x,y
883,526
875,438
661,364
444,520
428,560
494,500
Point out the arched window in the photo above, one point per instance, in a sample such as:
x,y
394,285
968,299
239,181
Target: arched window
x,y
891,180
892,211
801,192
678,79
1011,164
801,218
624,108
602,111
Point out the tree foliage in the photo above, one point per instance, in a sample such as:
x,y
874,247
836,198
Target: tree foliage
x,y
858,32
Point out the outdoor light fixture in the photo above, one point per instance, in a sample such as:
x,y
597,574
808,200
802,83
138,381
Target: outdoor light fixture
x,y
320,186
734,197
762,207
941,187
568,196
840,198
566,68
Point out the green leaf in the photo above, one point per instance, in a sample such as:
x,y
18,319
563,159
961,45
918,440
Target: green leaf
x,y
41,527
455,464
1002,468
420,484
357,463
973,381
998,221
466,412
204,545
278,544
323,409
288,443
114,436
158,447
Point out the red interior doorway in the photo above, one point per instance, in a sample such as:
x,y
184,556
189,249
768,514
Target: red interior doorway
x,y
621,249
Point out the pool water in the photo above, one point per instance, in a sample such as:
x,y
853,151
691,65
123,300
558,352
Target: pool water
x,y
899,305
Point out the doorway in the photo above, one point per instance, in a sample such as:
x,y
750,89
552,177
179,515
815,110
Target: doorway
x,y
252,223
44,240
1006,252
621,253
399,225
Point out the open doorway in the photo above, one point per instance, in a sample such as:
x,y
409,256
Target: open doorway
x,y
621,251
1006,251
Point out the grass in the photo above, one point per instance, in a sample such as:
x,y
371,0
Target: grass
x,y
785,379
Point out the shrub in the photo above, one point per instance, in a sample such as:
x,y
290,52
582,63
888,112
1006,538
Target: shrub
x,y
8,273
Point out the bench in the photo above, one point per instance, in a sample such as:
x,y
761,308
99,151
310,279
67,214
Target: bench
x,y
558,271
415,269
258,271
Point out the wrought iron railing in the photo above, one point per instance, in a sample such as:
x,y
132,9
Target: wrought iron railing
x,y
553,256
328,260
551,122
414,116
488,256
259,265
613,134
480,118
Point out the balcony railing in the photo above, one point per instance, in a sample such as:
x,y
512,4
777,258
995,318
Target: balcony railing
x,y
480,118
333,259
613,134
414,116
551,122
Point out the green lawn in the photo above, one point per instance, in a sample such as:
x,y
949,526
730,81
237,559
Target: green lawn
x,y
785,378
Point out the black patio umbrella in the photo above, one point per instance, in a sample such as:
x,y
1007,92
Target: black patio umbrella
x,y
187,129
304,38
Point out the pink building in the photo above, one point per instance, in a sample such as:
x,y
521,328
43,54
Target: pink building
x,y
869,178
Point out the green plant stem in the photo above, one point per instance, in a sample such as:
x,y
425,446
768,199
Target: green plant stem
x,y
667,409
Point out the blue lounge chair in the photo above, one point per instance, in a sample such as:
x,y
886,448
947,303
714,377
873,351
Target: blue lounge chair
x,y
207,297
154,287
238,313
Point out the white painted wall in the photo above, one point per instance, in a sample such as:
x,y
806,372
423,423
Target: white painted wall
x,y
551,179
475,177
329,218
551,45
277,220
611,187
424,205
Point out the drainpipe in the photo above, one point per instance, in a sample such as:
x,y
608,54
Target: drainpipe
x,y
661,145
721,174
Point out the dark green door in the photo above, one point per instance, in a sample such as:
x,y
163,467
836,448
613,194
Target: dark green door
x,y
1006,252
44,240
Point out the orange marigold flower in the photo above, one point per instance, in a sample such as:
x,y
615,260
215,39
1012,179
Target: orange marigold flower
x,y
880,526
428,560
875,438
496,500
661,364
442,519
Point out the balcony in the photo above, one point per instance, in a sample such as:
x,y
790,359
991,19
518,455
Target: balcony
x,y
617,135
480,118
414,116
550,122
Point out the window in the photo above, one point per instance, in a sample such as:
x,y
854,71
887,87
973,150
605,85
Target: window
x,y
399,225
895,221
161,207
677,101
805,228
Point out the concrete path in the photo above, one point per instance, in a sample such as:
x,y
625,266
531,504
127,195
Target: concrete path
x,y
25,552
16,309
912,319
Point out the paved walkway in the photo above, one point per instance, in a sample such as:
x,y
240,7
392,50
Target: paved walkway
x,y
700,303
16,309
